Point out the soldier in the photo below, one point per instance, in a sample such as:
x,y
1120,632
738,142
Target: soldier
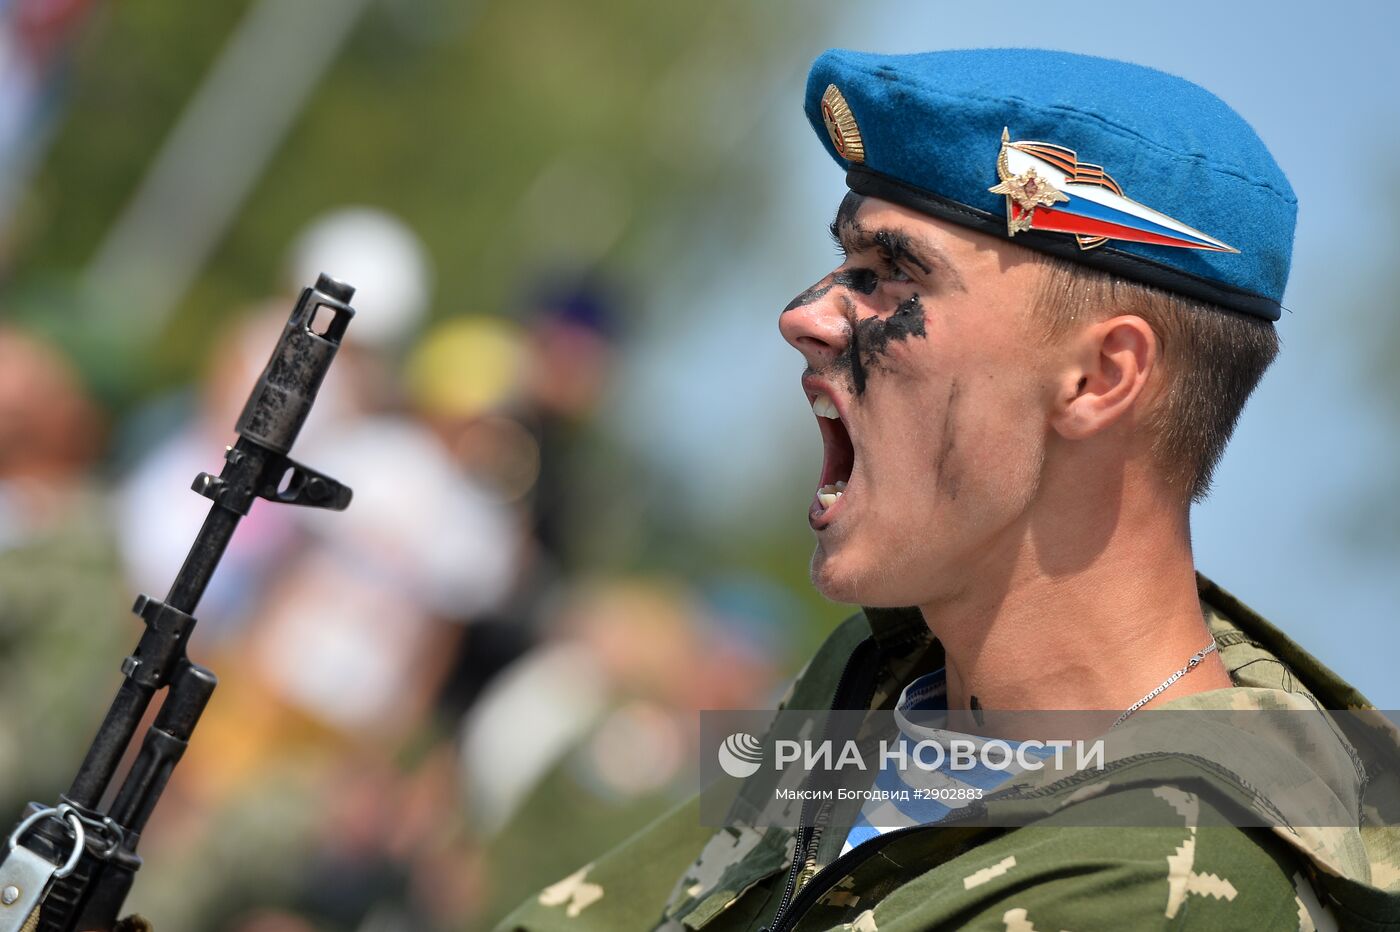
x,y
1058,290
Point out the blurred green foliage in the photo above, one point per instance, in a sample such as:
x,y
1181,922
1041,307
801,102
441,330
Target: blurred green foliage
x,y
510,135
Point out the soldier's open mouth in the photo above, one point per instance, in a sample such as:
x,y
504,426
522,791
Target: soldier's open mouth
x,y
838,457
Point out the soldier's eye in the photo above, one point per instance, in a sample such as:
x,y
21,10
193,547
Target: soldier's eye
x,y
891,271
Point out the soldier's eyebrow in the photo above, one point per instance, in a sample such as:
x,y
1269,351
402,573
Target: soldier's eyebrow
x,y
851,237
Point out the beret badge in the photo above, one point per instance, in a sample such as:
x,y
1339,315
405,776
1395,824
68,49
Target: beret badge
x,y
841,125
1047,188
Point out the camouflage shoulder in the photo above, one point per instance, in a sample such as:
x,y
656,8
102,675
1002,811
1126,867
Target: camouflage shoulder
x,y
625,889
1248,636
1191,876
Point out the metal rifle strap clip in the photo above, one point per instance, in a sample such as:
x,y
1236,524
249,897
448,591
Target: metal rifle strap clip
x,y
25,876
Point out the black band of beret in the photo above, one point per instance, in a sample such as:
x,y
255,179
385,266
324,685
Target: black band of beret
x,y
863,180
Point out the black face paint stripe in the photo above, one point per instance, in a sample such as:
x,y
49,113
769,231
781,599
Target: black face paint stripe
x,y
853,357
907,320
870,338
862,280
946,478
815,293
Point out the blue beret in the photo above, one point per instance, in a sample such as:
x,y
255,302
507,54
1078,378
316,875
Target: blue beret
x,y
1119,167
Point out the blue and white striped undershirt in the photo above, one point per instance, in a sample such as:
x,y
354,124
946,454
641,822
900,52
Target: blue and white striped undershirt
x,y
928,693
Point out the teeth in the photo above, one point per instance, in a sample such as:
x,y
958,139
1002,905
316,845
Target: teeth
x,y
823,406
828,494
841,485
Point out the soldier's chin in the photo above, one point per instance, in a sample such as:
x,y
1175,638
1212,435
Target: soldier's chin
x,y
842,576
835,576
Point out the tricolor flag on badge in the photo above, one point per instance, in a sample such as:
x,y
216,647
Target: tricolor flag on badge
x,y
1048,188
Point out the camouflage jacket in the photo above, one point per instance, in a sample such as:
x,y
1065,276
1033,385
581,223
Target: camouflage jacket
x,y
1187,871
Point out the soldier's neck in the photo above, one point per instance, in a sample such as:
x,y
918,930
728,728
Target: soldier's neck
x,y
1089,613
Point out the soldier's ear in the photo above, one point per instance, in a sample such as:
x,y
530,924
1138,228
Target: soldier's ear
x,y
1104,376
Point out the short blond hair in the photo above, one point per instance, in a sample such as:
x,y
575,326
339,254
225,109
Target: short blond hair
x,y
1212,359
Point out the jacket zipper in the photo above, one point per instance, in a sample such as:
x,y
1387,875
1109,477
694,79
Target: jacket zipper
x,y
847,862
807,835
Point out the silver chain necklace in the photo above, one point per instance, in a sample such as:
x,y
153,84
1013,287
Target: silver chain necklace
x,y
1196,658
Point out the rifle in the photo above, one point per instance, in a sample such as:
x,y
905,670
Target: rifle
x,y
69,867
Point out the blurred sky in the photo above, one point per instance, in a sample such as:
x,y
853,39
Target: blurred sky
x,y
713,393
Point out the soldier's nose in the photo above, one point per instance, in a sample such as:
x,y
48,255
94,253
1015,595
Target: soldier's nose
x,y
815,326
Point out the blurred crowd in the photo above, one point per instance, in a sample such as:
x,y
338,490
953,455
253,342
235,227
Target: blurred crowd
x,y
431,704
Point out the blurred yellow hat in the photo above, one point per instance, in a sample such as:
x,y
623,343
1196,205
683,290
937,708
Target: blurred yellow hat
x,y
466,366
